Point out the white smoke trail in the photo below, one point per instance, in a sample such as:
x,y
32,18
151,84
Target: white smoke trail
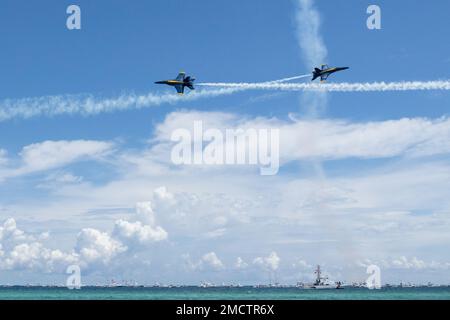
x,y
90,105
339,87
313,49
290,79
313,53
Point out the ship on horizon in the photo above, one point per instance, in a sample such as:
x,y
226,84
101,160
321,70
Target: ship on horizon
x,y
322,282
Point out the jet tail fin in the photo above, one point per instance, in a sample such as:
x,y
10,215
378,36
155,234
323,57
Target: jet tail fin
x,y
189,82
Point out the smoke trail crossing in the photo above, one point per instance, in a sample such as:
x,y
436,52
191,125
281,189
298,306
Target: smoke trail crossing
x,y
339,87
91,105
25,108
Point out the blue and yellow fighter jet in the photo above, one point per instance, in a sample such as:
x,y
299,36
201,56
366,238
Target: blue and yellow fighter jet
x,y
180,82
325,72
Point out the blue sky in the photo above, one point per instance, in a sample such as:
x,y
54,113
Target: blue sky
x,y
123,48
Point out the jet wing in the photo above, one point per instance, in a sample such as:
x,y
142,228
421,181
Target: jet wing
x,y
324,77
180,76
180,88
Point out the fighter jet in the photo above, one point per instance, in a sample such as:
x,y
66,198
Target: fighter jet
x,y
179,82
325,72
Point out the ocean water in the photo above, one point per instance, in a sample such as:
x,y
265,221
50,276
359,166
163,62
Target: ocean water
x,y
217,293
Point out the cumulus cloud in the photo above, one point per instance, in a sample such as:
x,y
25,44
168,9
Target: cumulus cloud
x,y
35,256
138,232
240,264
376,202
144,212
96,247
11,235
211,260
208,262
271,262
144,230
19,250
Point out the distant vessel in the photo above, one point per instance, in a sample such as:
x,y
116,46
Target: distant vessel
x,y
323,282
205,284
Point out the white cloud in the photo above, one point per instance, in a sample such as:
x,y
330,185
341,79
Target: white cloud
x,y
3,157
270,262
54,154
240,264
368,209
405,263
10,234
44,235
339,140
212,261
63,178
216,233
302,265
56,180
144,212
328,139
136,232
96,247
208,262
144,231
19,250
35,256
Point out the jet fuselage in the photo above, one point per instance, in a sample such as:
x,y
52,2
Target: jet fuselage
x,y
325,72
179,83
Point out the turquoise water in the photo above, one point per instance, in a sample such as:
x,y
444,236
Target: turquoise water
x,y
194,293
